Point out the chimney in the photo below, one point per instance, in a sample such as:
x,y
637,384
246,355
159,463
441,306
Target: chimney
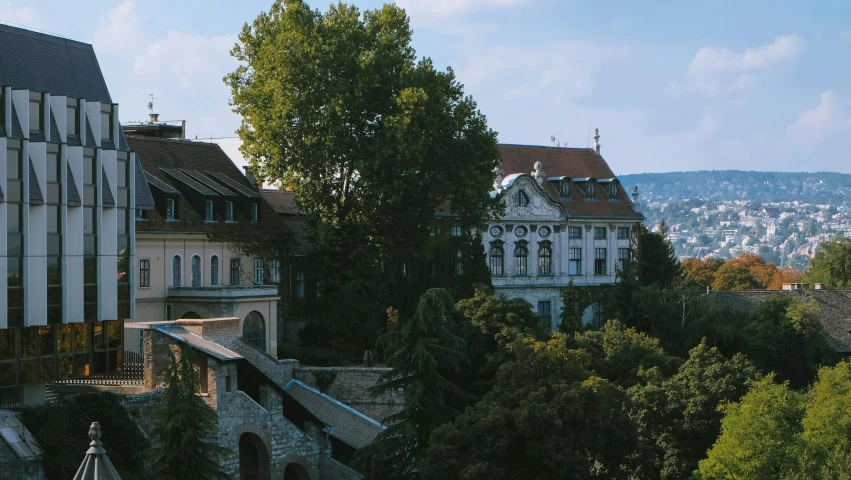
x,y
154,117
249,175
597,140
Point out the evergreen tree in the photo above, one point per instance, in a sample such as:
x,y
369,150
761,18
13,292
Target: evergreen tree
x,y
183,443
426,353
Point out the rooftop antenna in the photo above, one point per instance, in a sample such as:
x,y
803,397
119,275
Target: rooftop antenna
x,y
588,139
154,116
555,141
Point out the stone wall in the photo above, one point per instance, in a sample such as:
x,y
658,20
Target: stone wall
x,y
351,385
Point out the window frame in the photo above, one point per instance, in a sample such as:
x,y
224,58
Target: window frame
x,y
40,103
276,271
457,231
215,278
600,261
624,231
108,110
459,263
258,270
235,270
209,211
196,272
575,260
545,260
229,211
144,273
521,199
570,232
170,209
521,260
255,212
496,261
176,270
299,285
600,233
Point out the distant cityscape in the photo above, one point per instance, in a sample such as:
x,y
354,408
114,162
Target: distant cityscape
x,y
781,216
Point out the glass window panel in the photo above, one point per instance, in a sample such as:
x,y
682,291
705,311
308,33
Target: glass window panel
x,y
29,342
123,197
89,171
29,371
54,244
63,338
35,115
71,114
123,243
14,245
113,334
15,296
122,174
113,359
14,220
81,337
98,363
47,368
89,245
54,271
121,221
13,168
8,374
53,218
7,344
14,191
54,194
105,125
52,165
89,220
15,317
81,365
99,336
54,313
90,196
66,366
45,340
90,271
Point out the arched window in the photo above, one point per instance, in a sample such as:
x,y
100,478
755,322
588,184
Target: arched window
x,y
521,260
254,330
176,274
565,188
545,260
521,199
497,260
191,315
195,265
214,270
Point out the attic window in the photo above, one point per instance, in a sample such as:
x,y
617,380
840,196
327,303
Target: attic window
x,y
590,189
613,191
36,112
565,188
208,210
254,215
521,199
228,211
169,209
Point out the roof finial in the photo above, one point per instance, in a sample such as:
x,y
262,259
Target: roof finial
x,y
597,140
498,176
539,172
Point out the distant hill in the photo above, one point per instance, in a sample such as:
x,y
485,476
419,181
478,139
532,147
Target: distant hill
x,y
817,187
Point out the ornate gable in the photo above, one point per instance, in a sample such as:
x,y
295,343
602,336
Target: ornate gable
x,y
526,200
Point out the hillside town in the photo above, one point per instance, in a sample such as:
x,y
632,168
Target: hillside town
x,y
375,284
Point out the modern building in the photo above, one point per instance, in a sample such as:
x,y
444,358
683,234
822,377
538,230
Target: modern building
x,y
67,183
187,267
567,218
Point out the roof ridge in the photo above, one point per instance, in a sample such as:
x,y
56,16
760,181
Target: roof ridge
x,y
523,145
198,142
27,32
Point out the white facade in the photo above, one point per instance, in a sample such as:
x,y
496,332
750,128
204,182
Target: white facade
x,y
539,226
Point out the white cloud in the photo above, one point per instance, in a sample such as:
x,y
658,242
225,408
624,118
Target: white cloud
x,y
13,13
715,71
119,29
814,125
188,59
424,10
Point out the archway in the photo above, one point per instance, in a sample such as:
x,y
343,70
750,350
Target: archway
x,y
295,471
190,316
254,330
253,458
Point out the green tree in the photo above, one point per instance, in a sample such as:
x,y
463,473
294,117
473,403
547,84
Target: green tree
x,y
677,417
183,442
831,265
757,435
426,353
701,271
337,107
656,261
735,276
827,424
547,416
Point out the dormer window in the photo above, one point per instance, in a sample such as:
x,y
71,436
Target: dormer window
x,y
521,199
613,190
36,112
106,121
170,212
72,117
590,189
254,213
208,210
564,190
228,211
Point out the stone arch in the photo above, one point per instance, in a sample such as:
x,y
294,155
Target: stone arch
x,y
191,315
295,471
254,330
254,459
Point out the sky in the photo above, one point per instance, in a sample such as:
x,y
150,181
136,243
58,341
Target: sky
x,y
671,85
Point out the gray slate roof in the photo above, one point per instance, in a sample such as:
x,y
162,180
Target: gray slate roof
x,y
347,425
17,131
45,63
36,197
73,195
108,199
144,199
90,137
55,137
834,309
197,342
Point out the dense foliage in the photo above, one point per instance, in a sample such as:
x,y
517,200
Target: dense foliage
x,y
831,264
62,431
183,444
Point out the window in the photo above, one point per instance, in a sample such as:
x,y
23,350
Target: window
x,y
459,263
254,215
145,273
598,311
2,107
299,284
574,232
228,211
590,189
72,117
208,210
14,237
599,233
521,260
105,121
544,311
36,112
214,270
258,271
623,232
575,259
456,231
623,256
141,215
545,260
234,271
54,234
175,270
497,263
613,190
276,271
565,188
254,330
195,265
521,199
169,209
599,261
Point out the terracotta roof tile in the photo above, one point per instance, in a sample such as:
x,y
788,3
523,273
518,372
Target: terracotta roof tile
x,y
574,163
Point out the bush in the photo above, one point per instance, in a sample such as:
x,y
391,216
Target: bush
x,y
316,356
315,334
62,432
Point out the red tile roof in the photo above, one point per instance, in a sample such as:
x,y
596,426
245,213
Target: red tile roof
x,y
573,163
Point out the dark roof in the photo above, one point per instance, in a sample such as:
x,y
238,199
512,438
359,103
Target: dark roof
x,y
90,137
55,137
575,163
208,182
283,204
17,131
108,199
36,197
122,141
144,199
167,164
45,63
834,309
73,194
347,424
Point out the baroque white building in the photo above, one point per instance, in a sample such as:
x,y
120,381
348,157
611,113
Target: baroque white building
x,y
567,218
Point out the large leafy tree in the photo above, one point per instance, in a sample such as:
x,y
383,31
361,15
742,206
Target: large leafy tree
x,y
827,424
831,264
337,107
748,271
427,353
657,263
183,442
701,271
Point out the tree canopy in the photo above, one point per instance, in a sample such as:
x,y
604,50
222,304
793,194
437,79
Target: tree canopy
x,y
831,265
